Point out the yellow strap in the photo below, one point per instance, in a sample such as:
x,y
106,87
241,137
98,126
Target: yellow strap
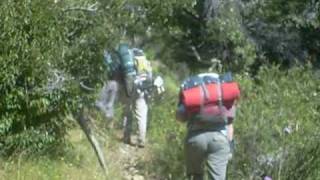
x,y
142,64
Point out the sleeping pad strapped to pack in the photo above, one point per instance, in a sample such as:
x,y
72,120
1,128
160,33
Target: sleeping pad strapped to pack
x,y
206,91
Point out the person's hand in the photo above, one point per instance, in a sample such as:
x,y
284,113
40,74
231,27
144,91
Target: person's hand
x,y
181,113
232,148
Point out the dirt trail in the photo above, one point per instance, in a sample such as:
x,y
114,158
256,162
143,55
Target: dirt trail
x,y
131,157
131,160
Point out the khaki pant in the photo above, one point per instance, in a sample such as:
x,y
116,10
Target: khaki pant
x,y
136,109
107,97
210,147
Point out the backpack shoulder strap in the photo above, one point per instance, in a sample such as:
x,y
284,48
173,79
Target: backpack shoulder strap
x,y
220,101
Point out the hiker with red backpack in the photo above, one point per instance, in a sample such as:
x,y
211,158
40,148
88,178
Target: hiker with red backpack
x,y
130,73
207,103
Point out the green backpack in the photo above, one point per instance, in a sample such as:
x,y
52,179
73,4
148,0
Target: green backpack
x,y
127,67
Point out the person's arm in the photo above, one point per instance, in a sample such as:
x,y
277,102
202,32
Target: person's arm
x,y
230,131
231,113
181,113
230,138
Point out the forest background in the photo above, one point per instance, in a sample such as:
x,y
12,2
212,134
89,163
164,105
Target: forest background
x,y
49,47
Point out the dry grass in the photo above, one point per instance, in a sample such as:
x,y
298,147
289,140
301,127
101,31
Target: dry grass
x,y
82,163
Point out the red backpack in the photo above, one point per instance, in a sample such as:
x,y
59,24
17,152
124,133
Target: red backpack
x,y
208,96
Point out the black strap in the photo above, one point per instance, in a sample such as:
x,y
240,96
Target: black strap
x,y
220,100
205,95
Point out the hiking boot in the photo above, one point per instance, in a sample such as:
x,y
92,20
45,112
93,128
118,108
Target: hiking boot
x,y
127,141
141,144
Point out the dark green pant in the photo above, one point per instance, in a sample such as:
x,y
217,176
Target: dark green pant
x,y
211,147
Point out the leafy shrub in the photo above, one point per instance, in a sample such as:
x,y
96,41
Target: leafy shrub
x,y
278,113
166,137
31,107
46,51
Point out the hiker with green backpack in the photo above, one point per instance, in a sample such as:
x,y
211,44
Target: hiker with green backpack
x,y
207,104
130,73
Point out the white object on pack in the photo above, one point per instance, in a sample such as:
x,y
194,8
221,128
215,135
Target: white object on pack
x,y
158,82
215,75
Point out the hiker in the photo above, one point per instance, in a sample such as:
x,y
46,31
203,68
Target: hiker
x,y
207,103
109,91
131,73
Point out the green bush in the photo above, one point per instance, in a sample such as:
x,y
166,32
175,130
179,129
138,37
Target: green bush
x,y
277,114
166,137
46,51
31,110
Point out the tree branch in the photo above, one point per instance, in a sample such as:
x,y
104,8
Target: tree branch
x,y
196,53
195,17
91,8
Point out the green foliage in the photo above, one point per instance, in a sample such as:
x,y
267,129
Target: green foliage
x,y
277,114
47,49
198,40
166,137
240,34
31,116
284,33
232,45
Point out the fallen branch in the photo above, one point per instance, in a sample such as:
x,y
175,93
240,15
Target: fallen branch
x,y
84,122
195,53
86,87
91,8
